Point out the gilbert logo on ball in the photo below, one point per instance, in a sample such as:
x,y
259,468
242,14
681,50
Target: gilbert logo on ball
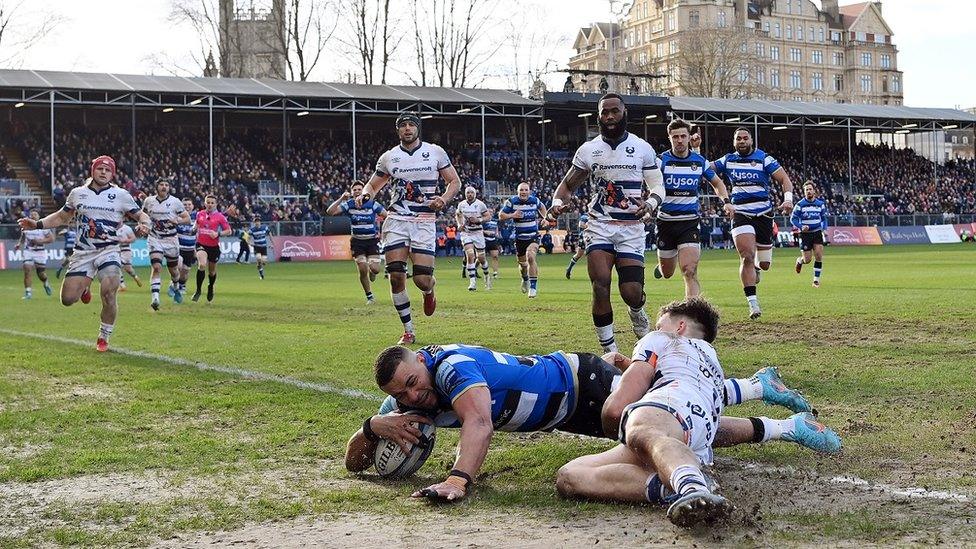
x,y
390,460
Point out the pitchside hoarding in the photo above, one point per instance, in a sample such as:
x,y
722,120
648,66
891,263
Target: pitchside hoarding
x,y
903,235
941,234
310,248
14,259
853,236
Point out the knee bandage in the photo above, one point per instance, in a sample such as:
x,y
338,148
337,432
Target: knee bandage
x,y
396,267
423,270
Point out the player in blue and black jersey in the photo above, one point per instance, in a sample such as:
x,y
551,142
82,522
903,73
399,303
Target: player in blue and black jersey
x,y
748,171
580,243
365,242
259,238
810,218
186,237
525,211
492,243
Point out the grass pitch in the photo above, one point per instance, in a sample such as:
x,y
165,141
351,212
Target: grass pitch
x,y
116,449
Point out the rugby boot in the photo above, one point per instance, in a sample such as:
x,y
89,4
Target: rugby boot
x,y
799,265
699,507
810,433
642,324
775,392
430,303
408,338
101,345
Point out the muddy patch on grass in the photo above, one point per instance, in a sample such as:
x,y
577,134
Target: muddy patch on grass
x,y
844,332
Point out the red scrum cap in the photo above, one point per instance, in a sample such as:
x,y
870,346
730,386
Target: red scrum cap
x,y
103,160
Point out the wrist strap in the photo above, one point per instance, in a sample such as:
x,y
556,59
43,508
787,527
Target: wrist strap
x,y
787,196
457,473
726,201
368,431
39,224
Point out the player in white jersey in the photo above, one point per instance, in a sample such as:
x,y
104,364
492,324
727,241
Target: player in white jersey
x,y
125,238
415,168
666,435
98,209
470,215
166,211
628,185
35,256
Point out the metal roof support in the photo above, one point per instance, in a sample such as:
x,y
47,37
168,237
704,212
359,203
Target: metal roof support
x,y
210,99
355,169
850,158
51,164
484,149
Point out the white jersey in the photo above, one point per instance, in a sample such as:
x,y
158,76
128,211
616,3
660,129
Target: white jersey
x,y
125,233
688,362
617,173
470,211
163,215
98,215
413,177
33,238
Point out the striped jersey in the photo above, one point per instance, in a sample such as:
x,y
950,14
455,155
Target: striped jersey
x,y
810,213
98,214
33,238
362,220
689,362
70,237
184,233
528,393
259,235
490,228
748,177
682,180
413,177
125,232
526,227
617,174
163,214
472,211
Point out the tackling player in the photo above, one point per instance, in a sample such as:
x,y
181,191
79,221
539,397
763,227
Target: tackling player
x,y
749,171
526,211
126,237
35,256
810,218
259,237
581,241
166,212
210,225
625,170
471,214
98,209
70,237
364,242
679,217
414,167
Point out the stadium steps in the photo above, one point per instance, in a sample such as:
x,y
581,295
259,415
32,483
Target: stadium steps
x,y
23,171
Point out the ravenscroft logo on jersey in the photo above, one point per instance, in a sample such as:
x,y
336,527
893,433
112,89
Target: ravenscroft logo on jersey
x,y
903,235
854,236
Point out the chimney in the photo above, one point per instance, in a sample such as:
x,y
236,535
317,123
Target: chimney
x,y
741,12
831,8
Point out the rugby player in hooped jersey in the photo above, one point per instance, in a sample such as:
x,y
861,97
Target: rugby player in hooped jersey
x,y
749,171
625,169
414,167
364,242
98,209
166,212
35,256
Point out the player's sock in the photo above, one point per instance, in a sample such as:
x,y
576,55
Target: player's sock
x,y
751,297
401,301
770,429
688,478
484,271
201,274
817,268
738,391
472,270
572,263
28,292
261,270
211,279
182,286
533,282
369,296
105,331
604,331
154,285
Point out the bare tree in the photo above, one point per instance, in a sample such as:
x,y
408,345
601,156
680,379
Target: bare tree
x,y
214,34
450,38
307,28
717,62
18,33
528,50
370,24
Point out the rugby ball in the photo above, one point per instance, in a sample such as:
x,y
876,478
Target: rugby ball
x,y
390,460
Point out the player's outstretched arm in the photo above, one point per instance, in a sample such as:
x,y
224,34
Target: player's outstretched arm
x,y
473,408
54,220
634,382
564,192
334,208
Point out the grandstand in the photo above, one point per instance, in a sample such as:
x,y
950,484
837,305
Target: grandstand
x,y
284,150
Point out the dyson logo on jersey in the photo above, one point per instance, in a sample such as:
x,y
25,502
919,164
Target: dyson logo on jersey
x,y
746,176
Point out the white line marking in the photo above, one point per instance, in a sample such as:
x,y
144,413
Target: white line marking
x,y
203,366
911,492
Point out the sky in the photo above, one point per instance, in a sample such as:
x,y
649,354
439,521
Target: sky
x,y
123,36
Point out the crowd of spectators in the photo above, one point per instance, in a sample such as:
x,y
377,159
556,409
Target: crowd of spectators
x,y
320,164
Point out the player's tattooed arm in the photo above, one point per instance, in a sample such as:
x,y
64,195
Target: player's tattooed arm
x,y
564,192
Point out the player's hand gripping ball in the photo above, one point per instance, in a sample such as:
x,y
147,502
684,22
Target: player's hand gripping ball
x,y
391,461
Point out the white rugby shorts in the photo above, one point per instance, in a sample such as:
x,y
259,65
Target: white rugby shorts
x,y
169,247
475,238
91,263
625,240
693,410
417,236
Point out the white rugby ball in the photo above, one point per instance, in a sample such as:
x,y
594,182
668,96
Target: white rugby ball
x,y
390,460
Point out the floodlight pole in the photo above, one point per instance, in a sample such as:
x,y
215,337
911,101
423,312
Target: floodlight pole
x,y
51,96
132,99
211,136
803,146
284,150
525,147
850,158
